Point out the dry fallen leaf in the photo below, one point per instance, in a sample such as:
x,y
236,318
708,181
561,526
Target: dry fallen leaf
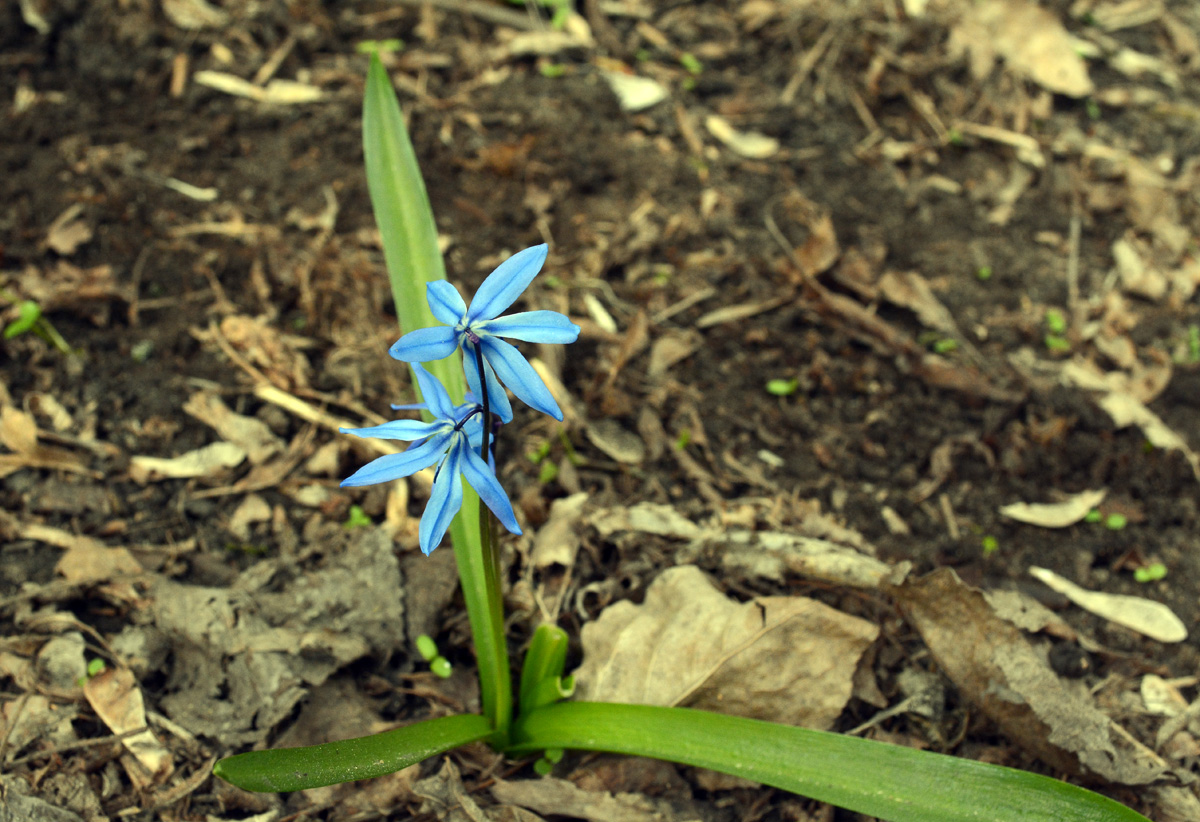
x,y
997,669
1055,514
1031,40
203,462
558,797
115,697
252,434
557,542
785,659
1147,617
749,144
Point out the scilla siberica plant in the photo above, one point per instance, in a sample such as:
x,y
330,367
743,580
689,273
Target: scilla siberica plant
x,y
882,780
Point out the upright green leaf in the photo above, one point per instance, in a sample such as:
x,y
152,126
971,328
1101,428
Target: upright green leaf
x,y
410,249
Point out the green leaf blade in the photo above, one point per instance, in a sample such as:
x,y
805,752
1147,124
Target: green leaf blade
x,y
887,781
294,769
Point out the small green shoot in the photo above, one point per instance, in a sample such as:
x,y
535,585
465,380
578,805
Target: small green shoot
x,y
945,346
549,759
983,273
31,320
1056,322
1116,522
552,70
572,456
990,545
28,313
426,647
441,667
641,55
356,519
95,667
689,62
540,453
388,46
1093,516
1150,573
683,440
1093,109
954,137
1056,343
548,473
782,388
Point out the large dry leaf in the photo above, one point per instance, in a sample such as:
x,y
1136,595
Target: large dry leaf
x,y
997,669
115,697
1031,40
785,659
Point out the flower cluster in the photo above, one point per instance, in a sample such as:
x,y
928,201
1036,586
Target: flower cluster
x,y
451,441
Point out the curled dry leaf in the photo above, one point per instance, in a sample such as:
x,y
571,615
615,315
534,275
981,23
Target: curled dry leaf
x,y
1147,617
557,541
558,797
995,667
115,697
252,434
203,462
785,659
1055,514
749,144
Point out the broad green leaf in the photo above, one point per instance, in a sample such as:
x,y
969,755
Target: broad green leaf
x,y
888,781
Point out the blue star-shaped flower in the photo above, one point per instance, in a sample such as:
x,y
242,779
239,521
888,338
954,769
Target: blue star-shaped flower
x,y
481,325
452,440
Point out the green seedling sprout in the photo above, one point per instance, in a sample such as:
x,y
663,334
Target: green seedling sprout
x,y
684,439
1150,573
552,70
31,320
1093,516
782,388
983,273
539,718
356,518
1056,323
990,545
547,473
1115,522
945,346
690,63
438,664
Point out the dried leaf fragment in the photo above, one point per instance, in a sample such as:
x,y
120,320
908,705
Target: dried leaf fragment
x,y
117,700
749,144
997,669
786,659
203,462
1147,617
1055,514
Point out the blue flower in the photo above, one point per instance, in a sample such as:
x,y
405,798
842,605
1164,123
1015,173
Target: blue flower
x,y
452,441
481,325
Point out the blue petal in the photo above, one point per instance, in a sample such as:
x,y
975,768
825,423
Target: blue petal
x,y
443,503
483,480
425,344
395,466
497,396
516,373
434,393
445,302
406,430
505,284
532,326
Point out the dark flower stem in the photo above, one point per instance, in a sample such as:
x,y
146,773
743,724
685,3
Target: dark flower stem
x,y
503,709
487,411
